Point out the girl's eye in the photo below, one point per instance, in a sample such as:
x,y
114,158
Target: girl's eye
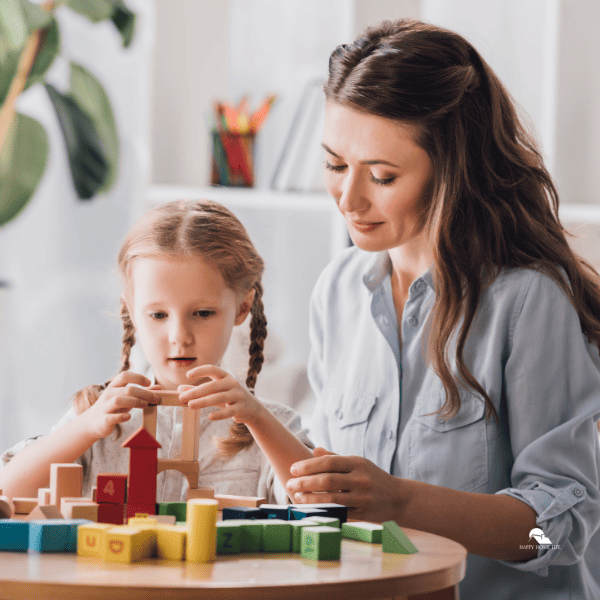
x,y
388,181
157,316
204,314
334,168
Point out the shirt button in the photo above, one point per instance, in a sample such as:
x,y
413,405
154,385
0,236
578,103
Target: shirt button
x,y
578,492
390,434
421,285
412,321
340,415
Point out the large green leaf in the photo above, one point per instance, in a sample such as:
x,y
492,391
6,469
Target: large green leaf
x,y
89,94
89,166
13,26
94,10
22,164
124,21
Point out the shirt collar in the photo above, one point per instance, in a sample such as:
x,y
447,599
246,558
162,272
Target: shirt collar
x,y
381,265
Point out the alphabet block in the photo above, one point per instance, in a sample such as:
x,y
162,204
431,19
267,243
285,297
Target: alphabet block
x,y
127,544
111,487
362,531
90,538
276,511
229,537
321,543
296,528
395,541
251,538
277,536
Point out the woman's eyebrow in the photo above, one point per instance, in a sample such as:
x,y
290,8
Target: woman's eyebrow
x,y
362,162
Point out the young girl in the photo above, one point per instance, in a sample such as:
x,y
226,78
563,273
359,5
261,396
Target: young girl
x,y
455,346
190,275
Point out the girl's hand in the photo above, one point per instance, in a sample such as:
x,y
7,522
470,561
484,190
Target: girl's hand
x,y
369,492
117,400
224,391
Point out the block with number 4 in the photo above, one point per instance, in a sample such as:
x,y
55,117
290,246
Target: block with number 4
x,y
321,543
112,488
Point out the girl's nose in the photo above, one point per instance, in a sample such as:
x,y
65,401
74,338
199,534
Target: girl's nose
x,y
180,334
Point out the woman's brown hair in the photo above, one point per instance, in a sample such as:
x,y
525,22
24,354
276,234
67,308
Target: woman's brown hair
x,y
493,203
207,230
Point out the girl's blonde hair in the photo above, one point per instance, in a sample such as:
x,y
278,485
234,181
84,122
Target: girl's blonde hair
x,y
207,230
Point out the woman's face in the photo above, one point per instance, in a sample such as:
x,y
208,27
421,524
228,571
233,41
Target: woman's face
x,y
379,177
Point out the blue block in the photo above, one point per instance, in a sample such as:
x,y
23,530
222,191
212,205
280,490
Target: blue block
x,y
243,512
276,511
49,535
14,535
297,513
337,511
73,526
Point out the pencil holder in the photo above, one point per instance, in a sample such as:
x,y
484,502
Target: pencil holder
x,y
232,161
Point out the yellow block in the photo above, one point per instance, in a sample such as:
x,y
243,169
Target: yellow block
x,y
90,538
201,543
170,542
141,520
127,544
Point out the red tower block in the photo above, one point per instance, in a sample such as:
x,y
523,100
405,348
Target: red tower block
x,y
111,487
143,465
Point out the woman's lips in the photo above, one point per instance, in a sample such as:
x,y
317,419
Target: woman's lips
x,y
182,362
365,227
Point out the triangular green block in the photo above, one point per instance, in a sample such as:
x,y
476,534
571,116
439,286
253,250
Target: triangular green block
x,y
395,541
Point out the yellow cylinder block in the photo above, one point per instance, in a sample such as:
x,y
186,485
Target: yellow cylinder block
x,y
201,543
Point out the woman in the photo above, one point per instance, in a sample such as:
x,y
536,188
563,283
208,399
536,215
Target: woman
x,y
455,347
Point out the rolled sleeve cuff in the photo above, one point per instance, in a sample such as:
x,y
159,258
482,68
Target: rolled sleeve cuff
x,y
552,506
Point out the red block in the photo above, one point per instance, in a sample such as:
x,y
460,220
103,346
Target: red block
x,y
133,509
111,513
111,487
143,464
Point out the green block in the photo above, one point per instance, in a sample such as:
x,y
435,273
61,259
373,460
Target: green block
x,y
177,509
252,532
363,532
229,537
395,541
321,543
296,529
329,521
277,535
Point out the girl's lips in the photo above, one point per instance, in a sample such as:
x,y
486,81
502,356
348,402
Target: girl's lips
x,y
183,362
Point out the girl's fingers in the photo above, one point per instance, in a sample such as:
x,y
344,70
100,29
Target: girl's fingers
x,y
212,400
218,415
129,402
126,377
137,392
206,389
211,371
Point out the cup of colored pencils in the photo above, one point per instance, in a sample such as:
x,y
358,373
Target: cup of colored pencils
x,y
234,131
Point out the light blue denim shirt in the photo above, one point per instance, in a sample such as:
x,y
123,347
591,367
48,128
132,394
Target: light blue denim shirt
x,y
527,350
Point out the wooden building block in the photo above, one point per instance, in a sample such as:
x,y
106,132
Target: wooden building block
x,y
7,508
74,525
111,487
166,519
111,513
189,468
229,537
178,509
131,509
296,528
328,521
189,434
226,500
277,536
44,497
201,492
395,541
149,419
81,510
127,544
362,531
94,493
170,542
44,512
69,499
90,538
201,530
23,506
251,538
243,512
321,543
66,479
51,535
276,511
14,535
338,511
142,519
143,464
302,513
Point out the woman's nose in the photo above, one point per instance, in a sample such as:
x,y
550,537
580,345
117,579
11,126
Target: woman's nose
x,y
351,196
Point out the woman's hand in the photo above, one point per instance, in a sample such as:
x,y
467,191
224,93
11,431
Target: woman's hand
x,y
367,491
224,391
115,402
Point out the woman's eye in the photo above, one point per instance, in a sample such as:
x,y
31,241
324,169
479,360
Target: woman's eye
x,y
334,168
387,181
157,316
204,314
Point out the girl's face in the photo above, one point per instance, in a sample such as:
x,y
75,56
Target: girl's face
x,y
378,176
183,314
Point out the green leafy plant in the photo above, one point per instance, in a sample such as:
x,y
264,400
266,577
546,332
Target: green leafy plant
x,y
29,43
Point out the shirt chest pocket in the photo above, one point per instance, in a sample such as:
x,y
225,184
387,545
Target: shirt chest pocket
x,y
451,453
348,414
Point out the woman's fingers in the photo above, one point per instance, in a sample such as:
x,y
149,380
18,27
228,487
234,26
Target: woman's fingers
x,y
323,482
323,464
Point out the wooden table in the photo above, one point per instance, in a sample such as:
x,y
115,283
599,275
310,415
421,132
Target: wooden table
x,y
363,572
